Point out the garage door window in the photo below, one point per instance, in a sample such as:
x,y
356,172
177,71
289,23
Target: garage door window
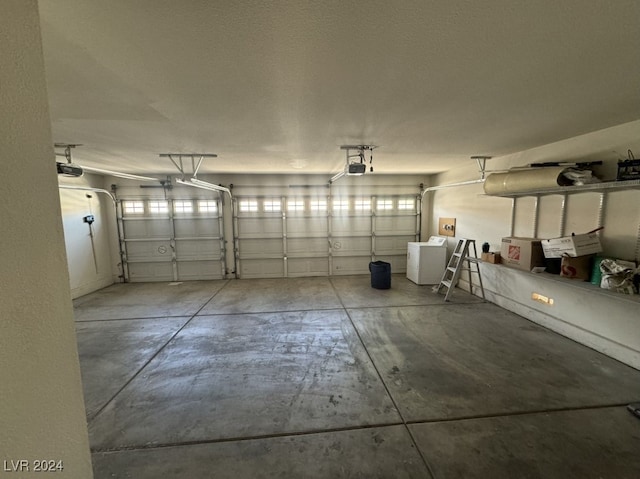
x,y
272,206
207,206
318,205
181,206
295,205
362,204
133,207
406,204
384,205
158,207
248,206
340,205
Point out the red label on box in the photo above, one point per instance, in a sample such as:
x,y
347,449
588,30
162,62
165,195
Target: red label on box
x,y
569,271
514,252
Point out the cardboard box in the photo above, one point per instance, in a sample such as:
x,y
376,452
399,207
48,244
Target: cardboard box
x,y
491,258
578,267
577,245
521,253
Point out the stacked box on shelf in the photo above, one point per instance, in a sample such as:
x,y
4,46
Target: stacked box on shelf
x,y
521,253
576,252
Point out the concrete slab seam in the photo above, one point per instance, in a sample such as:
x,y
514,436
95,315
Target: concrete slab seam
x,y
246,438
164,316
384,384
519,413
240,313
137,373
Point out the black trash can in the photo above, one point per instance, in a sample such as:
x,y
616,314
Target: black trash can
x,y
380,274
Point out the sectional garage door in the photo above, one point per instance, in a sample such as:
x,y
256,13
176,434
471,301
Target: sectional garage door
x,y
171,240
321,236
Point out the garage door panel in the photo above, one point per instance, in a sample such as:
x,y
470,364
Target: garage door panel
x,y
261,268
197,227
347,246
198,270
308,226
314,241
398,262
396,224
148,250
148,229
198,249
259,248
149,272
151,232
310,246
393,244
351,225
308,266
259,226
351,265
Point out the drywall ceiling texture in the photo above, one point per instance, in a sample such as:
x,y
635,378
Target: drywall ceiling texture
x,y
42,413
279,86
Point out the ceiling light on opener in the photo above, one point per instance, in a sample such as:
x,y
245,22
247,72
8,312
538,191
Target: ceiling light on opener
x,y
71,169
355,168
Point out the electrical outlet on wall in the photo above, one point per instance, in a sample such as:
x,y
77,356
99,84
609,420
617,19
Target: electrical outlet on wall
x,y
447,226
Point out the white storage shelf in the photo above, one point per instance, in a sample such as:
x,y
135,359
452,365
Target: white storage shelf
x,y
603,188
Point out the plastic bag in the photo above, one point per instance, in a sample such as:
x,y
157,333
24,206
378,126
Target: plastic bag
x,y
580,177
618,275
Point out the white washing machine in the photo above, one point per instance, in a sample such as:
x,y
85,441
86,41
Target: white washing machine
x,y
426,261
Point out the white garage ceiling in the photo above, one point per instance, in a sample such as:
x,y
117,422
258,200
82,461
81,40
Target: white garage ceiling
x,y
278,86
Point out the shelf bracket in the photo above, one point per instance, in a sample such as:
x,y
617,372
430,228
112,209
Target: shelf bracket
x,y
563,214
482,163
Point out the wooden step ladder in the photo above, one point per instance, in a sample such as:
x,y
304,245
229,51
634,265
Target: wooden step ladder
x,y
456,265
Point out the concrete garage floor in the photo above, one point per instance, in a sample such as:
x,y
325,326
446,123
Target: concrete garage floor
x,y
327,377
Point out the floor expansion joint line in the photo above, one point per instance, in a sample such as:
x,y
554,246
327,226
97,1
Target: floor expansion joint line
x,y
161,316
240,313
518,413
448,303
384,384
97,413
247,438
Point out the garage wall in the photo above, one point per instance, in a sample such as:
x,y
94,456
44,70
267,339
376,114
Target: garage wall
x,y
88,248
605,321
42,413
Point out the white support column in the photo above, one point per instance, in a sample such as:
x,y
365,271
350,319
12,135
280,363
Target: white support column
x,y
536,215
373,229
172,240
223,252
418,216
601,208
563,214
236,240
285,253
330,231
512,226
